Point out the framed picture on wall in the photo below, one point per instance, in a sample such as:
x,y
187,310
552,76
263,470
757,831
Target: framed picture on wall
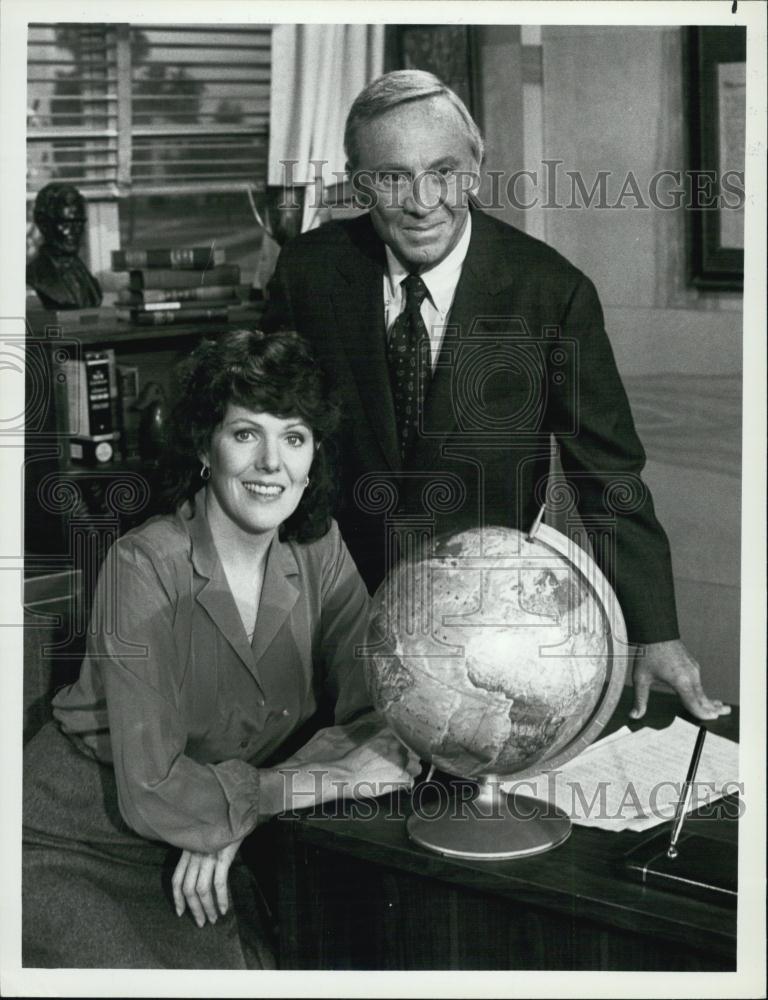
x,y
715,74
450,51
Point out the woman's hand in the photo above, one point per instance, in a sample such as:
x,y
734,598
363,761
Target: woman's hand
x,y
376,766
200,882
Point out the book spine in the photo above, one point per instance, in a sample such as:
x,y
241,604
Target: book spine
x,y
72,397
167,278
169,317
185,307
88,395
61,396
159,296
178,258
129,384
99,380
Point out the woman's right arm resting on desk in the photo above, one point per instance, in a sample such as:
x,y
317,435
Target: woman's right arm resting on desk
x,y
205,809
359,758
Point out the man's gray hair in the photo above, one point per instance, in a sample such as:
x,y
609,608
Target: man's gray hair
x,y
401,87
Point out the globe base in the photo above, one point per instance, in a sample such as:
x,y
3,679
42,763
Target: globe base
x,y
491,826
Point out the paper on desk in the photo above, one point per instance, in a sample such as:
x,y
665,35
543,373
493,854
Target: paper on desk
x,y
633,781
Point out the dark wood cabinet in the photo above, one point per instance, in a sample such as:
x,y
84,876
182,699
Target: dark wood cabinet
x,y
356,893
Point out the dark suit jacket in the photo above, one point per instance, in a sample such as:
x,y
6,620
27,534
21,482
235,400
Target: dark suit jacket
x,y
525,356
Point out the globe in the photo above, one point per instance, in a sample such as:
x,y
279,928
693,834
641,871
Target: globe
x,y
493,655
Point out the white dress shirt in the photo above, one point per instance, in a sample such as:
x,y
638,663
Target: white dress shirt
x,y
441,281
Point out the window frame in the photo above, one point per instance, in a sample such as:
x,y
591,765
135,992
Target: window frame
x,y
117,97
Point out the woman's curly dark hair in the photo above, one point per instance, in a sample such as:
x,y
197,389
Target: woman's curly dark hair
x,y
266,373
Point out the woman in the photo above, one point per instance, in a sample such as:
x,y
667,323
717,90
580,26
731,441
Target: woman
x,y
216,633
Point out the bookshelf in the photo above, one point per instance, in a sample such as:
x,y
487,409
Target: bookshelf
x,y
74,510
106,330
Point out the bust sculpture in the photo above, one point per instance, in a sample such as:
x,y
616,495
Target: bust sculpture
x,y
56,273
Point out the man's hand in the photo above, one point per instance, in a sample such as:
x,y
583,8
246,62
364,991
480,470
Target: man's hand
x,y
671,663
200,881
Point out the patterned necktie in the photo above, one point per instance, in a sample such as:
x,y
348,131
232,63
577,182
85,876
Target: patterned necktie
x,y
410,362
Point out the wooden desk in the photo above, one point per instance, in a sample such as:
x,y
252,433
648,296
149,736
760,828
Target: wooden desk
x,y
358,894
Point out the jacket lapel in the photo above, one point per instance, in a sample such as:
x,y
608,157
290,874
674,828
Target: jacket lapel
x,y
214,595
278,594
358,303
357,296
482,279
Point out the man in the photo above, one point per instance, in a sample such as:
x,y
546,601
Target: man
x,y
460,345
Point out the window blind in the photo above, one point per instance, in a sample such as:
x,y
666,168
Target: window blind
x,y
72,110
125,109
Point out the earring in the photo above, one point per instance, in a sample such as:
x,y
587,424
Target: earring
x,y
306,482
205,472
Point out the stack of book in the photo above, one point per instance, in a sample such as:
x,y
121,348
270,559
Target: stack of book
x,y
175,285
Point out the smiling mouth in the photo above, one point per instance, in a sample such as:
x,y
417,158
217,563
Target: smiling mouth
x,y
266,490
422,229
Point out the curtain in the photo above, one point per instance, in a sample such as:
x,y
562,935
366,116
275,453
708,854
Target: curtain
x,y
317,71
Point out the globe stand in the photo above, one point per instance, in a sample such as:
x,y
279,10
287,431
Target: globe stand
x,y
491,825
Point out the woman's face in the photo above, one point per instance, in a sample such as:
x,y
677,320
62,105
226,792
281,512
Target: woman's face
x,y
259,467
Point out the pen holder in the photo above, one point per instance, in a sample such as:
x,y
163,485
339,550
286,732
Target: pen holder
x,y
704,868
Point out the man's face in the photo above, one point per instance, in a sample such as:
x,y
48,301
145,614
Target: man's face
x,y
416,163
